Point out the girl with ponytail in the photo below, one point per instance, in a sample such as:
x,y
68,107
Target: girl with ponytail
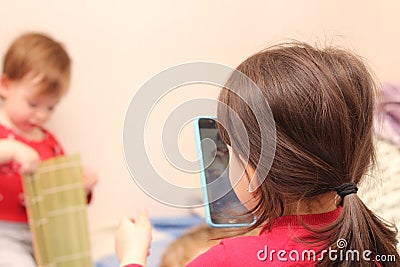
x,y
305,200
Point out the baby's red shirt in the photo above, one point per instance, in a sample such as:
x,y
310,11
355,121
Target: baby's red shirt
x,y
12,206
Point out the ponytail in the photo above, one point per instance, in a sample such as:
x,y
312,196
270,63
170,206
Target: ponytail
x,y
361,238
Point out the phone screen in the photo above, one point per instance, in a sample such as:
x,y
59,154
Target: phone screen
x,y
225,210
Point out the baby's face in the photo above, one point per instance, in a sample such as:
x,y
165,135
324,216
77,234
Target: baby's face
x,y
24,108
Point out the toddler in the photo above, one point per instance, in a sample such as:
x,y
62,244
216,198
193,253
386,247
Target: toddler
x,y
35,77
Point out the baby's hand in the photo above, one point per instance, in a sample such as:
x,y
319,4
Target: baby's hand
x,y
27,157
90,178
132,240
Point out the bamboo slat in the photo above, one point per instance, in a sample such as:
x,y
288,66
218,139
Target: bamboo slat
x,y
56,205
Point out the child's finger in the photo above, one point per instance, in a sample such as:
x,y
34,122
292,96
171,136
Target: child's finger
x,y
143,218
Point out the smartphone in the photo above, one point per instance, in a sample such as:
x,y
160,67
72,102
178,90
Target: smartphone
x,y
222,206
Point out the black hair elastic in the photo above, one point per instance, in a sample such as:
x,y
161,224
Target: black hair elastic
x,y
346,189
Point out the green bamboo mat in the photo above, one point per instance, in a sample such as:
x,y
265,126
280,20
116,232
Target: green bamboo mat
x,y
56,205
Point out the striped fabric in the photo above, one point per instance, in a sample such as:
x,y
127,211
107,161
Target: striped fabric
x,y
56,206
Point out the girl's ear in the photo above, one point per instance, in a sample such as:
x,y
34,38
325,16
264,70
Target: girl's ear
x,y
4,86
254,182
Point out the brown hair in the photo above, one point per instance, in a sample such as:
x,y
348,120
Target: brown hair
x,y
38,55
322,101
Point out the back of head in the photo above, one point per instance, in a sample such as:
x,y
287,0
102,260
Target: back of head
x,y
40,57
322,101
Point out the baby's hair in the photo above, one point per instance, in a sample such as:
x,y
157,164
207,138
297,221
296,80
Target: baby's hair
x,y
323,104
41,58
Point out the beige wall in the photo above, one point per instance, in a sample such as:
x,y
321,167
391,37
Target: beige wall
x,y
117,45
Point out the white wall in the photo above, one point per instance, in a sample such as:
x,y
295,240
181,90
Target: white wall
x,y
117,46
